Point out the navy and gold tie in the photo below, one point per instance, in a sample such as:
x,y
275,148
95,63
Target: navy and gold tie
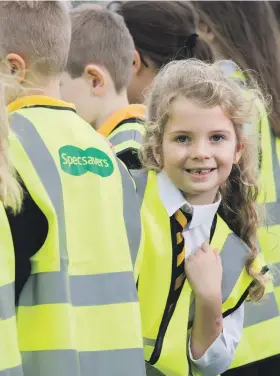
x,y
179,222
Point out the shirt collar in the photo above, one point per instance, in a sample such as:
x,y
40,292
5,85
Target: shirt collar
x,y
38,100
173,200
130,111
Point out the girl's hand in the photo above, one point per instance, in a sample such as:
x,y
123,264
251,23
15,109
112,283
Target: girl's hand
x,y
204,272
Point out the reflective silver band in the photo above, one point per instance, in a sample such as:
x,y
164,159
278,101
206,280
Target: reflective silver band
x,y
15,371
131,212
123,136
7,301
47,171
141,179
273,213
264,310
124,362
85,290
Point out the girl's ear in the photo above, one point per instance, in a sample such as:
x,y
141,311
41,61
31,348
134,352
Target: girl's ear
x,y
238,152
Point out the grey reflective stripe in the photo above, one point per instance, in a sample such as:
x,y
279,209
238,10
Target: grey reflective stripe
x,y
15,371
124,362
149,342
273,213
7,301
123,136
264,310
141,178
131,212
152,371
276,167
234,255
85,290
273,208
41,157
275,270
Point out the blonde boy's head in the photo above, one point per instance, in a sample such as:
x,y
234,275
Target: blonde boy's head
x,y
36,34
100,58
100,37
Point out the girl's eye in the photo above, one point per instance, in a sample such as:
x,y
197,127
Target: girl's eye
x,y
217,137
182,139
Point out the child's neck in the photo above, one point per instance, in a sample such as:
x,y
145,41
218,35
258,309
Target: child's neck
x,y
202,199
48,88
112,103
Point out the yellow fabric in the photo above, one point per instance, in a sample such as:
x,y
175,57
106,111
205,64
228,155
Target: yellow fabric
x,y
87,337
253,346
9,350
63,326
155,277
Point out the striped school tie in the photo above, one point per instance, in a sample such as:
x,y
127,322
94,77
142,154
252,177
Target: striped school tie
x,y
180,221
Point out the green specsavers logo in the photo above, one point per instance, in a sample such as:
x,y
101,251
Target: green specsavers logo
x,y
76,161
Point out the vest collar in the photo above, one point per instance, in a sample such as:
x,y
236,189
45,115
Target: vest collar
x,y
130,111
38,100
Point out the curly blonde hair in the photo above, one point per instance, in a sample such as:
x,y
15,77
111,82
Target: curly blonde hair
x,y
206,85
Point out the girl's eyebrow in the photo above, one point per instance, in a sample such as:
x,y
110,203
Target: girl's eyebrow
x,y
183,131
220,131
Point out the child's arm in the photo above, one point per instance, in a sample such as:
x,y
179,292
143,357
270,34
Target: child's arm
x,y
208,323
204,273
211,344
219,355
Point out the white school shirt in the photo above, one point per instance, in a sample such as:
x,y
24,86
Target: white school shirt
x,y
219,355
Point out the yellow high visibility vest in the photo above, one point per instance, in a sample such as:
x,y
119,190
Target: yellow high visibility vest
x,y
165,341
78,313
125,130
260,337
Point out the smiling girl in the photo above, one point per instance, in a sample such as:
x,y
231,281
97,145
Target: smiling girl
x,y
198,195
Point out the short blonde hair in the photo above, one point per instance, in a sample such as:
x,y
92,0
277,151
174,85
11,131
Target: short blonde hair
x,y
206,85
100,36
38,31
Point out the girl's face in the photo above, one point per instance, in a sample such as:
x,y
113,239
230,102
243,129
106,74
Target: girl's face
x,y
199,150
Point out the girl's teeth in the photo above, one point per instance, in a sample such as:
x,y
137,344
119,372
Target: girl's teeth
x,y
199,171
